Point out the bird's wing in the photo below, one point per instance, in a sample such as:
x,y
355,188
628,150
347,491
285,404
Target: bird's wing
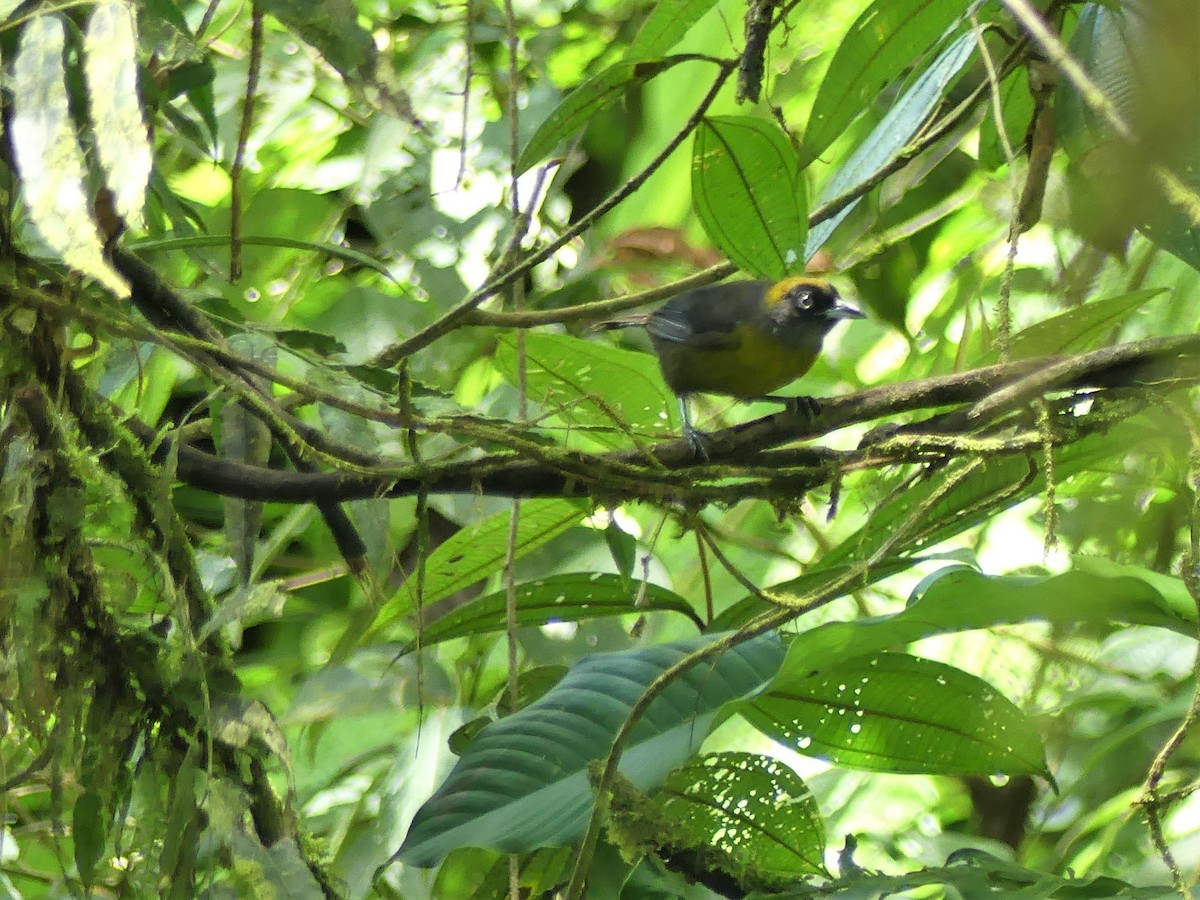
x,y
677,327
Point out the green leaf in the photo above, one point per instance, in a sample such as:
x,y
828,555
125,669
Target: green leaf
x,y
479,550
751,605
1081,328
594,386
523,782
332,28
906,117
898,713
87,828
558,598
880,45
748,193
49,160
1173,596
777,834
1016,106
961,599
277,871
668,21
584,103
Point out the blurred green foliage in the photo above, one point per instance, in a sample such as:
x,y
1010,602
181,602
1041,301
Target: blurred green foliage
x,y
971,653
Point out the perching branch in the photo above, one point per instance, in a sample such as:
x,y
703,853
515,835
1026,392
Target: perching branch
x,y
746,461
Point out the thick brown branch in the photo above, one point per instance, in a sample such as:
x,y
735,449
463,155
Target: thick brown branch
x,y
744,462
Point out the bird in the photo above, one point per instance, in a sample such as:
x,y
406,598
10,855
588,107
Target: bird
x,y
743,339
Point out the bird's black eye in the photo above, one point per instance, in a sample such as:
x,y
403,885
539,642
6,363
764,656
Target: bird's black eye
x,y
803,299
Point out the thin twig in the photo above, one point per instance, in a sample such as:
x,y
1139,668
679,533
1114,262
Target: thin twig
x,y
239,156
1151,801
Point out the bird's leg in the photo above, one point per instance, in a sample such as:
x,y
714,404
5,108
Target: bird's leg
x,y
694,437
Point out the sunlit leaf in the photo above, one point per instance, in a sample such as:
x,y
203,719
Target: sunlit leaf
x,y
778,835
880,45
902,122
747,192
611,392
892,712
667,22
48,156
557,598
110,64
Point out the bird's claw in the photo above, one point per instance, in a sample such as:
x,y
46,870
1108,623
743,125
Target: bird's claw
x,y
809,407
695,439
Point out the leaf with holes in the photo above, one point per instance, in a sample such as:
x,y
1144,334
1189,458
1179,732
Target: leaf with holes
x,y
958,599
754,809
898,713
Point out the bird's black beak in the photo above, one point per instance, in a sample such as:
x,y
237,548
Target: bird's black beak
x,y
843,310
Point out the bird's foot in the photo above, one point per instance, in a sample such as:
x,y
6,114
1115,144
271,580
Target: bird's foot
x,y
696,439
808,407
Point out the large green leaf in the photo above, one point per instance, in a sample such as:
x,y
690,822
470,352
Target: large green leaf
x,y
122,144
880,45
558,598
961,599
523,782
668,21
49,160
477,551
587,101
606,391
1081,328
902,122
747,191
892,712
